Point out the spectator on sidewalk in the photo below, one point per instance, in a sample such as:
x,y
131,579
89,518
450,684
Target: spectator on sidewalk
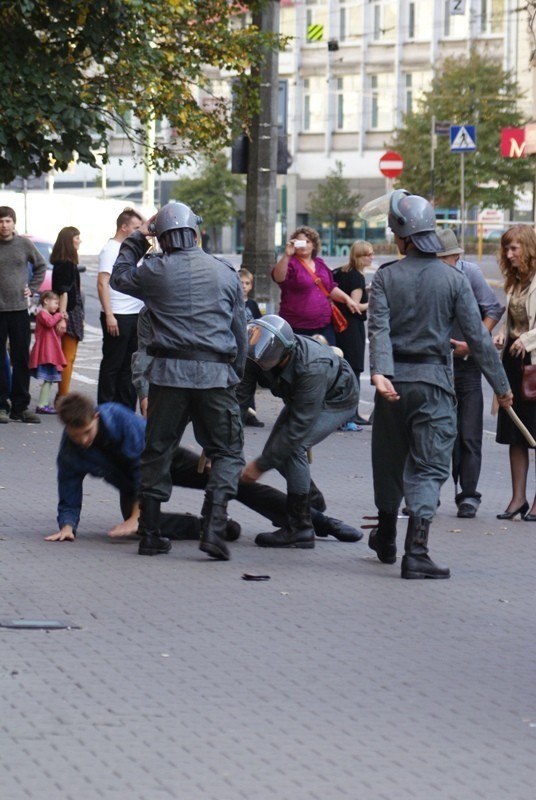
x,y
467,452
15,254
252,312
119,320
66,283
46,358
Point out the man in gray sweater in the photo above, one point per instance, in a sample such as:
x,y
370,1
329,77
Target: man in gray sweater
x,y
15,288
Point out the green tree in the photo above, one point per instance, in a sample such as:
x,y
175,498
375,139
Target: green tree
x,y
333,202
75,69
212,195
466,91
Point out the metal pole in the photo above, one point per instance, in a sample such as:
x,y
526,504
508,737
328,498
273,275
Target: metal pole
x,y
462,197
432,162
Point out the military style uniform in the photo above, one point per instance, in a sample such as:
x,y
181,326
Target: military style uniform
x,y
413,305
199,344
319,390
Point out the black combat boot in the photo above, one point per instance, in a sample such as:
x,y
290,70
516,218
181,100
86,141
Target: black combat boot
x,y
151,544
330,526
383,538
298,529
416,563
181,527
214,527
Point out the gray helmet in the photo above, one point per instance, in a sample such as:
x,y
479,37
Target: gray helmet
x,y
270,339
176,220
410,215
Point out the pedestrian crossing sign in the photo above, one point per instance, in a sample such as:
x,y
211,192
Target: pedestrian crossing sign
x,y
462,138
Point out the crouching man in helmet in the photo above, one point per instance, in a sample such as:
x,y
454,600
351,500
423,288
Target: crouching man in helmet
x,y
198,343
413,303
319,391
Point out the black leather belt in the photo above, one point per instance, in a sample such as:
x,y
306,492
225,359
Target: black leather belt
x,y
191,355
420,358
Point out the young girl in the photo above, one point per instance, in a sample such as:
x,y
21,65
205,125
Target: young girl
x,y
46,359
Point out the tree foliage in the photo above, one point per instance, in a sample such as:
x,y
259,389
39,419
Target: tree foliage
x,y
212,194
466,91
333,201
74,69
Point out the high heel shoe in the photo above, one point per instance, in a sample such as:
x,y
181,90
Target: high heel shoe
x,y
530,517
522,510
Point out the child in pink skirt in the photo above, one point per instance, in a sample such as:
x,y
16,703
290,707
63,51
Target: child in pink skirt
x,y
46,358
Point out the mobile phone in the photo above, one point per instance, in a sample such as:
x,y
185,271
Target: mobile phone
x,y
299,243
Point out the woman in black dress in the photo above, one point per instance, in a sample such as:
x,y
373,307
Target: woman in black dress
x,y
517,259
351,279
66,283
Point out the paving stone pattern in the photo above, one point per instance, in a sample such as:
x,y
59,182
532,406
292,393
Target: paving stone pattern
x,y
334,679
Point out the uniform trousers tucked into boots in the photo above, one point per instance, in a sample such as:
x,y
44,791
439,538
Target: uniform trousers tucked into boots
x,y
412,443
217,427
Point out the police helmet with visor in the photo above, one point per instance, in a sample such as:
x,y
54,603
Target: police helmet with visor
x,y
270,339
175,226
413,217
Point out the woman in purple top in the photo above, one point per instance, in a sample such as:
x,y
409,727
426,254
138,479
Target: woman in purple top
x,y
303,304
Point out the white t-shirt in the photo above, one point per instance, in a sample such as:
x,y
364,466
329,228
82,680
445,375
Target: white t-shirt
x,y
120,303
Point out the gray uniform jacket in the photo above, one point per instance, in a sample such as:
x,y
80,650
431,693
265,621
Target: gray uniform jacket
x,y
196,305
314,380
413,305
486,298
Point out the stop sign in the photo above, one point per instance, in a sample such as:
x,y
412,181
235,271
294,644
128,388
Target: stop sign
x,y
391,164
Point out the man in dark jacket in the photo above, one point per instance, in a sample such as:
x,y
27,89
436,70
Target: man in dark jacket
x,y
198,344
319,391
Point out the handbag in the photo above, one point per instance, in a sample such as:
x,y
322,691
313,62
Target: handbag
x,y
338,320
528,382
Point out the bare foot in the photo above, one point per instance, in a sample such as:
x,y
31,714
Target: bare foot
x,y
127,528
61,536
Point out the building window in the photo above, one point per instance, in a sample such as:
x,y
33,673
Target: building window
x,y
374,110
342,25
340,103
306,106
377,35
411,21
314,111
408,105
382,101
492,16
447,18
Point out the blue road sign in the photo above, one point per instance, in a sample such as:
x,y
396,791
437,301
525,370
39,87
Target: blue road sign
x,y
462,138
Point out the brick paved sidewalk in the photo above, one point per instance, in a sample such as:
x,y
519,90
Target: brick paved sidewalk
x,y
334,679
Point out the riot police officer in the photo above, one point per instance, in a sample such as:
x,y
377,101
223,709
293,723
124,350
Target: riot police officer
x,y
412,307
198,343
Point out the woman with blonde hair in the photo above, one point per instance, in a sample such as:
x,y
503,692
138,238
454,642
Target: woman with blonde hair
x,y
351,279
66,283
517,259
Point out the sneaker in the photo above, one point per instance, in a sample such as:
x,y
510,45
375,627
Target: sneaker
x,y
46,410
25,416
350,426
4,416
